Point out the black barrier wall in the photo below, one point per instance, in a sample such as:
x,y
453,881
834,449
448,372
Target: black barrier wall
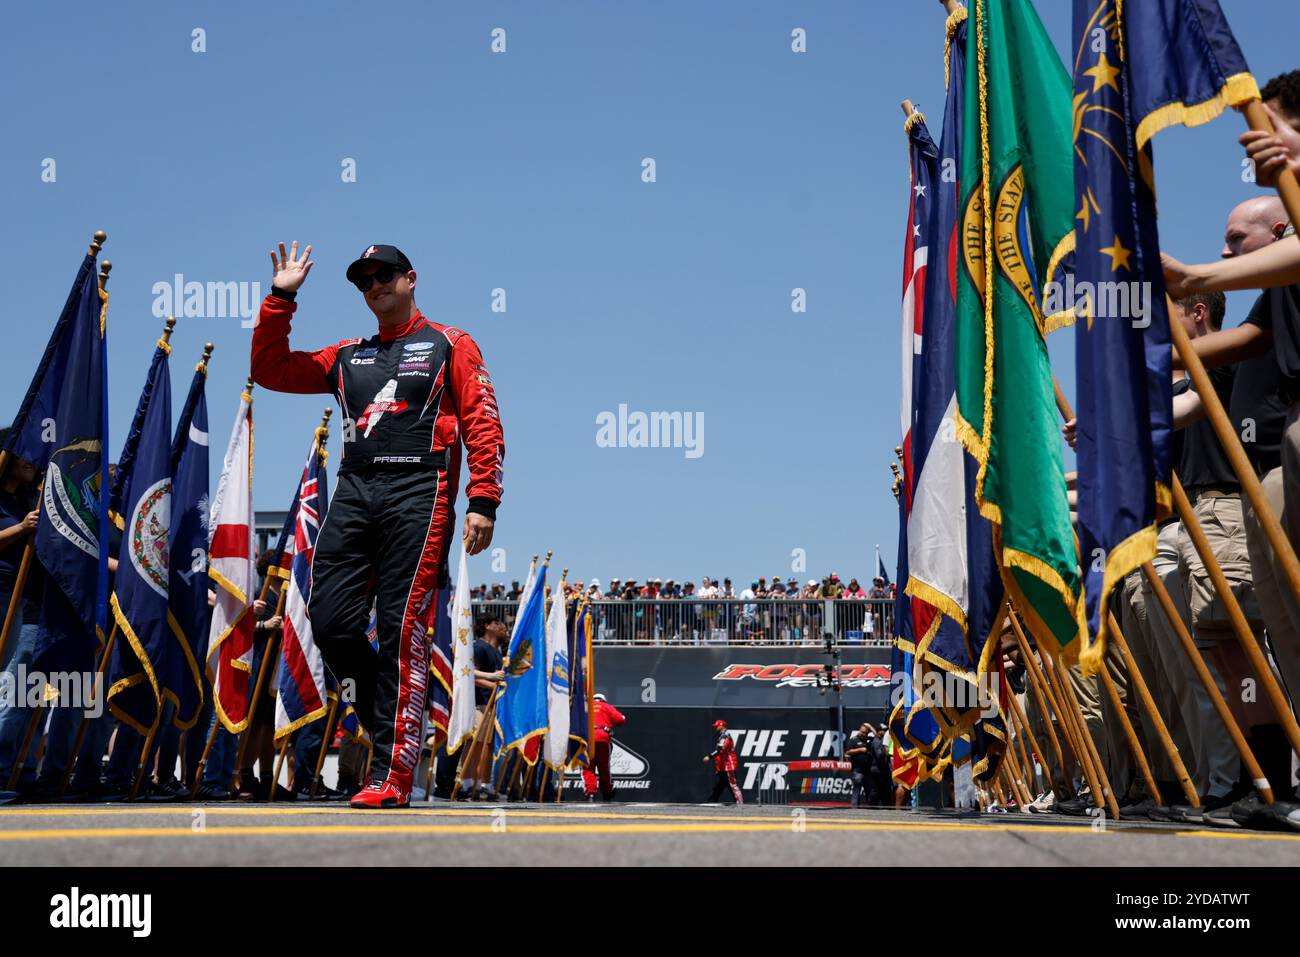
x,y
769,698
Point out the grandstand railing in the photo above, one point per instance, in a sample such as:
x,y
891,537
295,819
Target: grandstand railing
x,y
711,621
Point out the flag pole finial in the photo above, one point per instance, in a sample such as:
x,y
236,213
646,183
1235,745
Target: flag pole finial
x,y
898,451
207,354
104,269
97,242
168,327
908,108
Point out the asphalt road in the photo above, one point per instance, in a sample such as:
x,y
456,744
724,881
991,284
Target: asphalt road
x,y
582,834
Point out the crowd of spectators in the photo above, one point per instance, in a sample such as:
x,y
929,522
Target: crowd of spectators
x,y
659,589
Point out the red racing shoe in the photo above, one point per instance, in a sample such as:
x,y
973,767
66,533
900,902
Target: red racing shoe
x,y
380,795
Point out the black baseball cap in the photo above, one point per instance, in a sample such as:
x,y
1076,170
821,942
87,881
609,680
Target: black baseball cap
x,y
379,254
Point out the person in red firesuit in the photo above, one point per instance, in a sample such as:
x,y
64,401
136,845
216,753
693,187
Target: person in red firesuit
x,y
604,719
724,760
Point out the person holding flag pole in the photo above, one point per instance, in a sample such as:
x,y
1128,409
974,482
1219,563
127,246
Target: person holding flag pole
x,y
582,691
141,505
521,709
303,693
68,398
234,579
555,744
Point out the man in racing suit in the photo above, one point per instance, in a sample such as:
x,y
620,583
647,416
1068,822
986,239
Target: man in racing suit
x,y
724,761
409,393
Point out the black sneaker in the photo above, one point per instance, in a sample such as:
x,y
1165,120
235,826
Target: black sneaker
x,y
208,792
1136,809
1251,812
170,790
1074,807
10,797
303,792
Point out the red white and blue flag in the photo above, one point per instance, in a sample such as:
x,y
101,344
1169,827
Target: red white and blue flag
x,y
303,693
440,664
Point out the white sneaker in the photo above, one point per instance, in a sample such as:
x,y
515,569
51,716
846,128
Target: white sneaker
x,y
1044,803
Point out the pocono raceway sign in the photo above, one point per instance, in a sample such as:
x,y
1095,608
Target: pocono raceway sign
x,y
784,726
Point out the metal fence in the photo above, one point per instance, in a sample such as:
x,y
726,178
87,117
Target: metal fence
x,y
767,621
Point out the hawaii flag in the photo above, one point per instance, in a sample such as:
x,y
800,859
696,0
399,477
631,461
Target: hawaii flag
x,y
461,724
234,576
303,694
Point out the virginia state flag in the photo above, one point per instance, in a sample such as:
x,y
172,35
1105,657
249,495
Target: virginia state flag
x,y
1161,62
62,426
521,711
187,593
140,599
303,691
582,685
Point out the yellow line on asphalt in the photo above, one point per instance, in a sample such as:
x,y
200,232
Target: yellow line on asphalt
x,y
100,833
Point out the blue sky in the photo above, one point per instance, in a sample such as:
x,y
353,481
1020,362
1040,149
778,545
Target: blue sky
x,y
523,171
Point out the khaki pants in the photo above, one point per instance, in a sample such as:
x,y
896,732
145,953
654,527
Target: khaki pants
x,y
1169,656
1221,521
1277,604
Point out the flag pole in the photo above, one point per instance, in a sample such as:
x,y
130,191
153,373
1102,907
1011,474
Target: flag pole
x,y
85,722
21,759
1031,666
279,765
1135,673
272,651
1245,635
1189,646
1130,735
1022,721
951,6
1091,756
324,745
1026,760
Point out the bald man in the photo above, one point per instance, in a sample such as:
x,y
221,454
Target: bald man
x,y
1265,410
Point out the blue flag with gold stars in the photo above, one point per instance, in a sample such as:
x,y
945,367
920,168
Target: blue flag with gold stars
x,y
1137,69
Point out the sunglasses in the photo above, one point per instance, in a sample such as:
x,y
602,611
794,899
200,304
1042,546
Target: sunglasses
x,y
383,275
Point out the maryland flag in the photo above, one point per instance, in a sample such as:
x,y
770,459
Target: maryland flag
x,y
1016,235
1137,69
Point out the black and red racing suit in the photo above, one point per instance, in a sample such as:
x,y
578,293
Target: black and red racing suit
x,y
409,397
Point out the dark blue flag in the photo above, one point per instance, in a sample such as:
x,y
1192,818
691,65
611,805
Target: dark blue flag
x,y
188,589
145,652
581,686
1161,62
63,426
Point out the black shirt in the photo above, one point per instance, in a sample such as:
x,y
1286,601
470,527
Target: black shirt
x,y
1203,463
861,762
13,509
1278,311
486,658
1258,408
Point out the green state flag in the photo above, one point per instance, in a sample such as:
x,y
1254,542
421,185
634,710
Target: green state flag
x,y
1017,213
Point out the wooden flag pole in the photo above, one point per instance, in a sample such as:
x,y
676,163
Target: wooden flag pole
x,y
1022,724
16,596
325,744
279,765
1069,715
1135,673
1276,696
144,756
1031,667
1130,734
1189,646
32,725
203,760
1089,746
84,726
1149,706
272,651
1015,772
